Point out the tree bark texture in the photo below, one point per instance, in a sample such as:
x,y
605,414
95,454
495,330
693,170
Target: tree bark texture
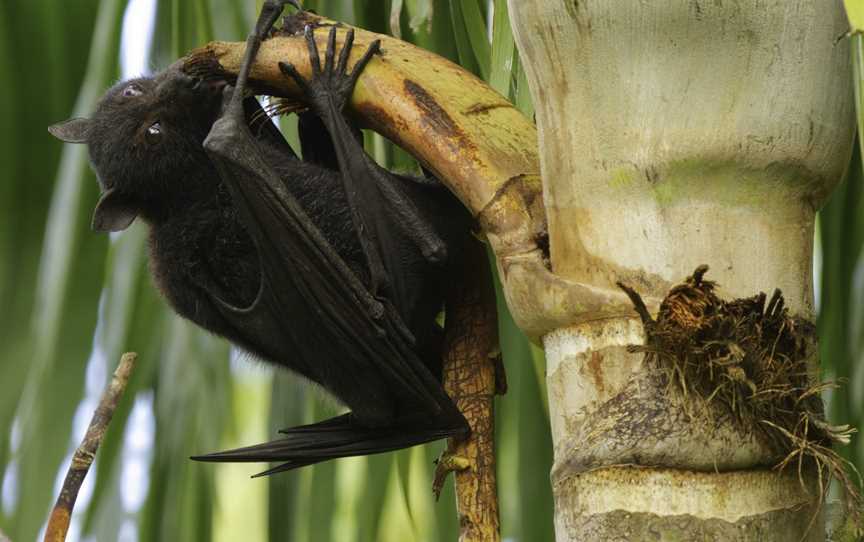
x,y
471,362
673,134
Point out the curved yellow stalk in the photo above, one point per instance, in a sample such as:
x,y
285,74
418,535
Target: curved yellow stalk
x,y
470,136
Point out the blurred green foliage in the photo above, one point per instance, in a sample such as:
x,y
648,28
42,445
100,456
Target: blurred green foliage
x,y
841,314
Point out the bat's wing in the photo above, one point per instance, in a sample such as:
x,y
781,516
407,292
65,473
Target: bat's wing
x,y
313,314
331,439
312,310
310,305
315,142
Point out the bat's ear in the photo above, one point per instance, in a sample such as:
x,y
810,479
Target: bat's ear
x,y
112,214
72,130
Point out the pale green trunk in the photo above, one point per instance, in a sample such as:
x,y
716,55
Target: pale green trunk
x,y
673,133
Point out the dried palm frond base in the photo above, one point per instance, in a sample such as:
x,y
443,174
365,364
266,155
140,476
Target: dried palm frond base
x,y
753,359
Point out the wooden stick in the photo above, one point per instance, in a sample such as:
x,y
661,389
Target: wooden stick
x,y
61,515
472,376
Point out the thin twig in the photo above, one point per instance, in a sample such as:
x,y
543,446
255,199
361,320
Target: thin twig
x,y
58,524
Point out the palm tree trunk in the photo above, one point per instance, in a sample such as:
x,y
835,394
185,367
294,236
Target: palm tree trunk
x,y
673,133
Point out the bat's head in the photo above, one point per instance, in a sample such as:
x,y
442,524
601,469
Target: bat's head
x,y
145,142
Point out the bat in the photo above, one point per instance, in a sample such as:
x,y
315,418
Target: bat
x,y
329,266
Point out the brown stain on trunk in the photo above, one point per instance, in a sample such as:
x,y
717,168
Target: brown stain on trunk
x,y
595,369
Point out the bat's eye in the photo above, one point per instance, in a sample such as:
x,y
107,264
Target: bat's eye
x,y
132,91
154,133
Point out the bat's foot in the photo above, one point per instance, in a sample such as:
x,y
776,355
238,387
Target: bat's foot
x,y
270,11
330,87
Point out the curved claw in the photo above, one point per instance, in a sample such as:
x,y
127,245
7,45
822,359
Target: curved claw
x,y
289,70
330,82
314,60
374,48
331,50
345,52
